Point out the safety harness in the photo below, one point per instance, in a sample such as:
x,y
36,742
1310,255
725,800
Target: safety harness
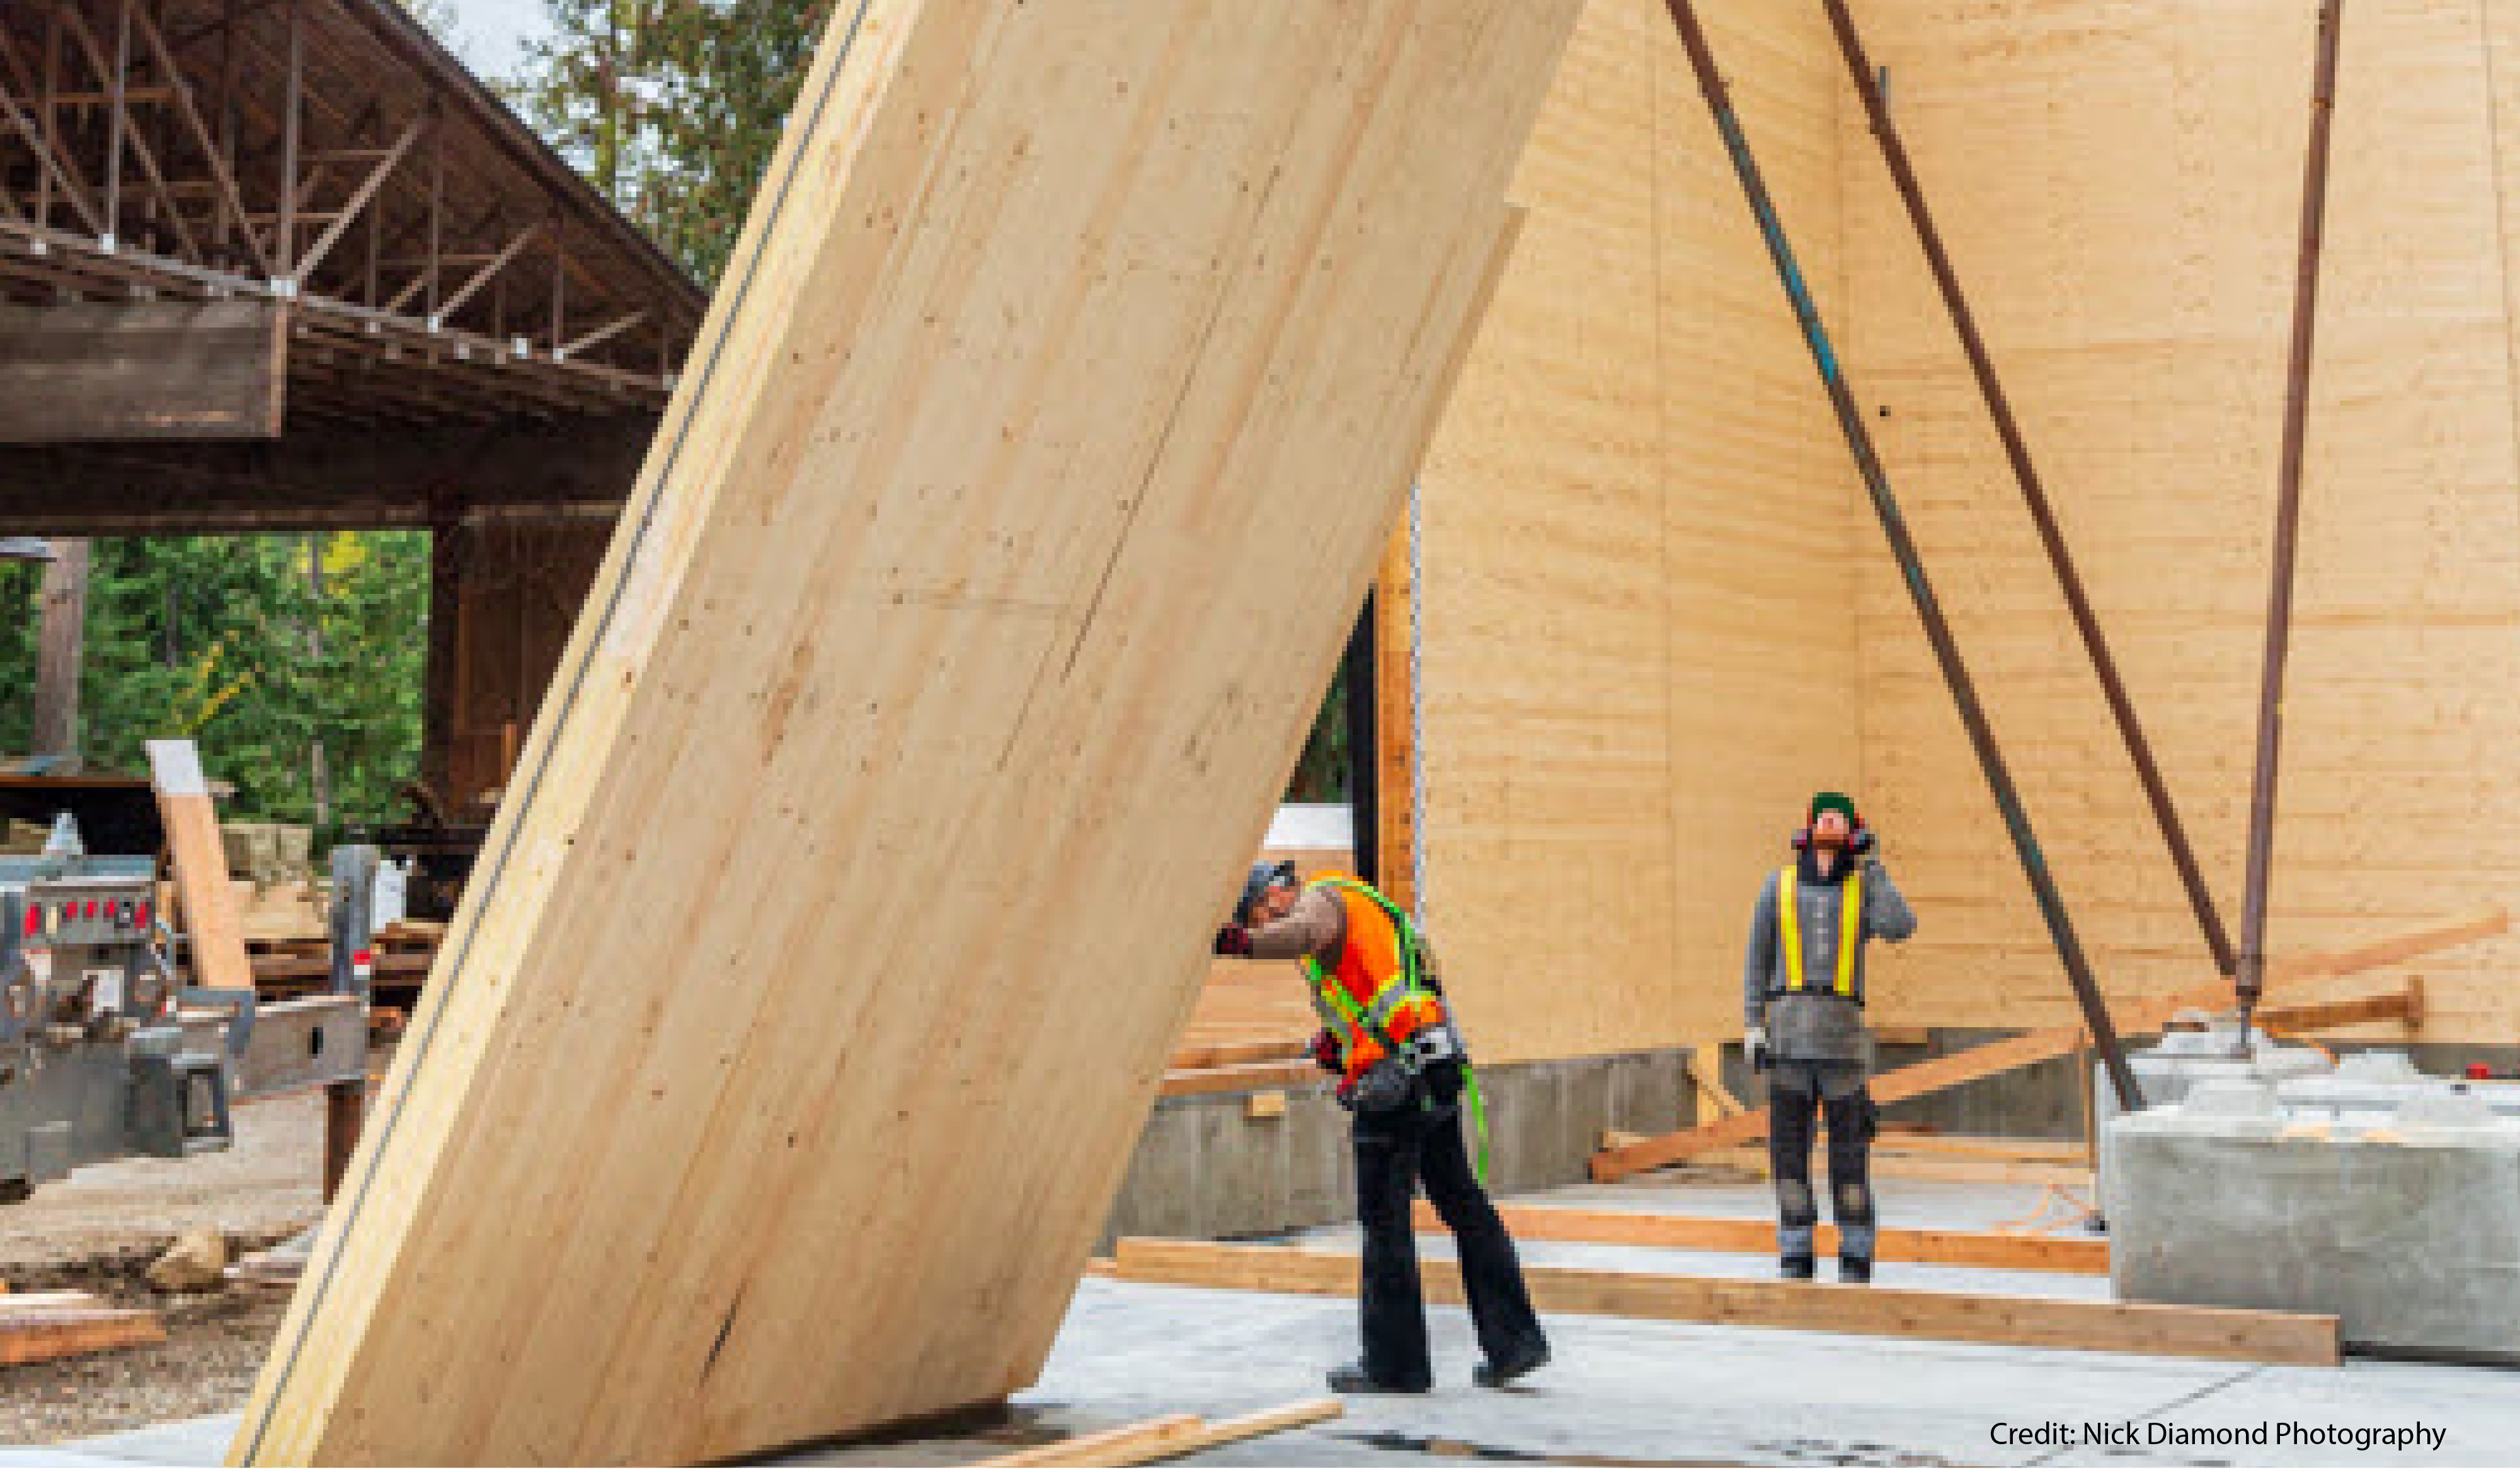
x,y
1345,1018
1850,919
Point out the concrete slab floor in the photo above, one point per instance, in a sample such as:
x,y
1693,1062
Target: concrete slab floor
x,y
1633,1392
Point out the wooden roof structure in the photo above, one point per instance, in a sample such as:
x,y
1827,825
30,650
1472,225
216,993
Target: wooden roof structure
x,y
449,304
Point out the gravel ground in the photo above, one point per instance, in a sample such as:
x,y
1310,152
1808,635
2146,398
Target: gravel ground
x,y
100,1228
214,1346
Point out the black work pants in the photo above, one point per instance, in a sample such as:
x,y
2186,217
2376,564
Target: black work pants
x,y
1394,1151
1835,1092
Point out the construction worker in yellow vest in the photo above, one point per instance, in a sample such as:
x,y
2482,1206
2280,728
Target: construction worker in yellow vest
x,y
1404,1074
1802,997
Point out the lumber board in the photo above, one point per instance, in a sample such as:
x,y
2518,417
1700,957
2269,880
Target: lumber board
x,y
1708,1233
2403,1004
214,929
1897,1163
1170,1438
2235,1335
1066,346
2133,1019
1109,1447
44,1334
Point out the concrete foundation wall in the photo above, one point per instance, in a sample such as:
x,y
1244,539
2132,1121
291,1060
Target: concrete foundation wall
x,y
1206,1167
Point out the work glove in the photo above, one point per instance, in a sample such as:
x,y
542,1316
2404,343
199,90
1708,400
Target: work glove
x,y
1754,1046
1234,939
1326,1053
1864,845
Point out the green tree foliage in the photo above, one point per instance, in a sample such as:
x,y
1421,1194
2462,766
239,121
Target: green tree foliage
x,y
672,107
216,639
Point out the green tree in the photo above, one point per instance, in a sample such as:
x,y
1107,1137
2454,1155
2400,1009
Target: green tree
x,y
672,107
224,641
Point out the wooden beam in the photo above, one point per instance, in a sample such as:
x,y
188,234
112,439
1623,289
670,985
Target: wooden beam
x,y
213,156
91,370
359,201
1170,1438
1395,723
1892,1163
1043,331
61,656
1109,1447
481,278
1701,1232
213,931
2403,1004
45,1334
2134,1018
313,478
601,334
2242,1336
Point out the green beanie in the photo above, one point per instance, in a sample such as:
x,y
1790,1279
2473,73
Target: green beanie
x,y
1833,801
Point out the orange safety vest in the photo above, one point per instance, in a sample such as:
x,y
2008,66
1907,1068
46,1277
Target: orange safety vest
x,y
1374,999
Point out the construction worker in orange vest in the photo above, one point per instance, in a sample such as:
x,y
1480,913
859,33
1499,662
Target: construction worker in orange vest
x,y
1404,1074
1802,995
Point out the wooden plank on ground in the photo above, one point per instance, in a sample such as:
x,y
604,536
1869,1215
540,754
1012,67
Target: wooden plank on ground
x,y
1897,1165
213,931
1068,344
1109,1447
2243,1336
43,1334
2132,1018
1170,1438
1708,1233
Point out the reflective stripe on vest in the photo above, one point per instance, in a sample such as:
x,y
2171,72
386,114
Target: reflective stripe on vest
x,y
1849,926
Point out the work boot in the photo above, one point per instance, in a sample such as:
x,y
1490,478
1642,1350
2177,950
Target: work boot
x,y
1498,1374
1354,1379
1795,1267
1854,1271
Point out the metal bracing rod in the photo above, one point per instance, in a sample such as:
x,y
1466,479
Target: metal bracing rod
x,y
2305,322
2165,814
1859,442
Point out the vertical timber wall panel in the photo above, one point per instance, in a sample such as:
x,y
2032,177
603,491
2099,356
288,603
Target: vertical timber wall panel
x,y
1637,605
788,1048
2119,187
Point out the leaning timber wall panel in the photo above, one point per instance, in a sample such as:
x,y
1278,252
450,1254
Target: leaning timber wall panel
x,y
1636,603
2120,188
784,1056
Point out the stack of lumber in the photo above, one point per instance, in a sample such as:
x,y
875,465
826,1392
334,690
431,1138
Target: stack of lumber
x,y
38,1326
861,868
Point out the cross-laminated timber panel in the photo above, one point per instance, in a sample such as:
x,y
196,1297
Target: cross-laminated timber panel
x,y
857,875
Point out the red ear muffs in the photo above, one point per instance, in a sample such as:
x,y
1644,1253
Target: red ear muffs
x,y
1801,838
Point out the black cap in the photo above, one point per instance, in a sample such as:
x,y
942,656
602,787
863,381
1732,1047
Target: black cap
x,y
1264,877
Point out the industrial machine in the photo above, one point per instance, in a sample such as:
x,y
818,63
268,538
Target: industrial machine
x,y
93,1059
105,1054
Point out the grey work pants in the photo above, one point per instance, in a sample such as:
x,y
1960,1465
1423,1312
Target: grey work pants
x,y
1835,1092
